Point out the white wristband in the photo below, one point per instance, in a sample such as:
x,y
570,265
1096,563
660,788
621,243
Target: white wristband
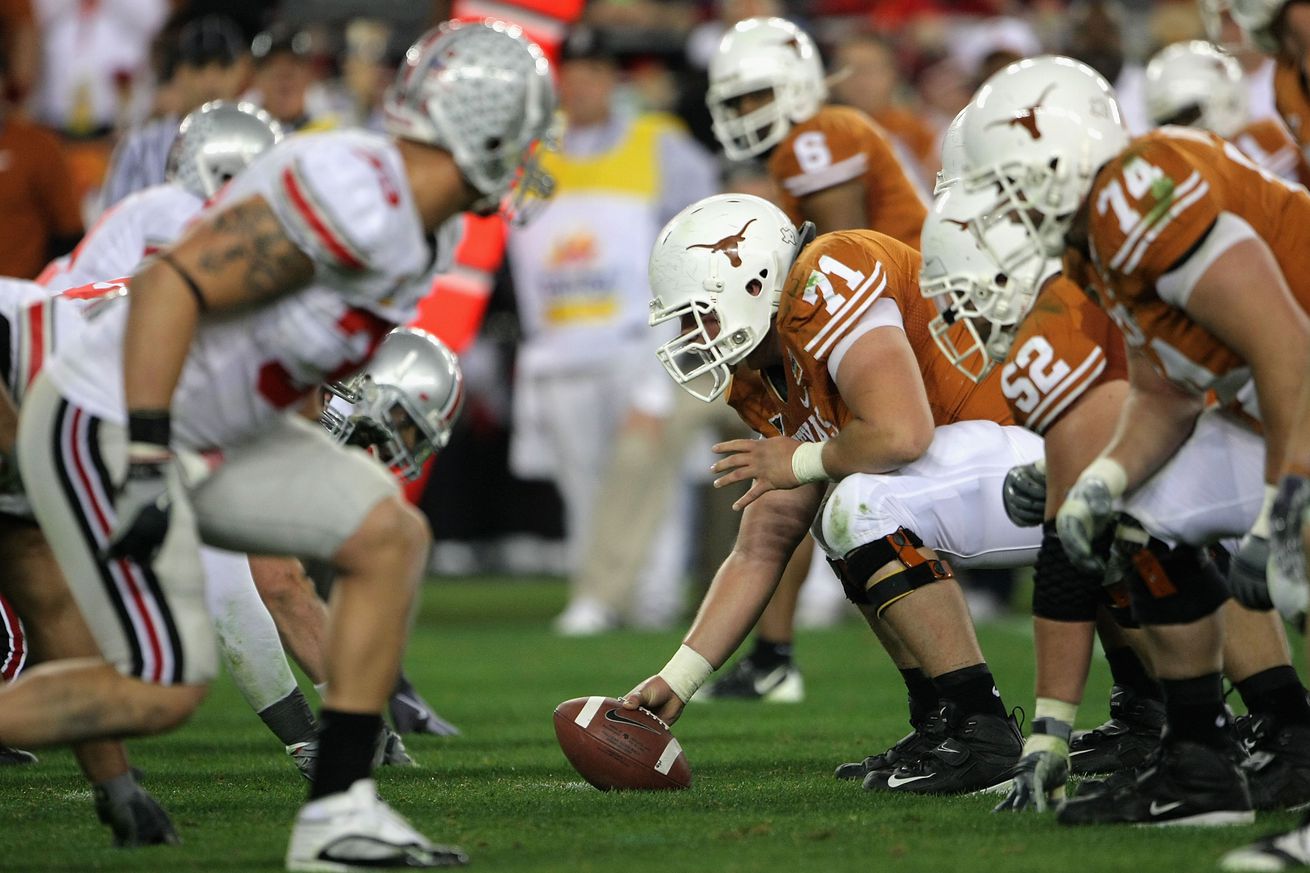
x,y
1261,526
686,671
807,463
1109,471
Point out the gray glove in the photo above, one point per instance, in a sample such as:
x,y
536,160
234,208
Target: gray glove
x,y
1086,512
1246,573
1039,779
1024,494
1288,588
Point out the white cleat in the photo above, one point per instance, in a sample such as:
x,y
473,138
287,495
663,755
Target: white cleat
x,y
1285,851
355,830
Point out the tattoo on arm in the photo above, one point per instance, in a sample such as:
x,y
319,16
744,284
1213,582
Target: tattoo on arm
x,y
245,243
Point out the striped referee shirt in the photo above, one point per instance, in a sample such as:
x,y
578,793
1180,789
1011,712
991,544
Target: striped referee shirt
x,y
138,161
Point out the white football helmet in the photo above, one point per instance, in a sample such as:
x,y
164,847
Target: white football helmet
x,y
1257,19
404,402
718,268
1037,132
1198,79
763,54
483,92
952,154
986,279
216,142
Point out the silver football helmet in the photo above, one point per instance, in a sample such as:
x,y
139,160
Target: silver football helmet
x,y
403,403
763,55
483,92
1199,80
718,268
216,142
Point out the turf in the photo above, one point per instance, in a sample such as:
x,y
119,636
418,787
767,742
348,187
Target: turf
x,y
763,797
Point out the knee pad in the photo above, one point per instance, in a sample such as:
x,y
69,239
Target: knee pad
x,y
1167,585
902,547
1062,592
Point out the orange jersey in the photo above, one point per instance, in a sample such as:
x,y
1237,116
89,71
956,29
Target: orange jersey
x,y
1292,100
1269,143
843,285
839,145
1149,209
1066,347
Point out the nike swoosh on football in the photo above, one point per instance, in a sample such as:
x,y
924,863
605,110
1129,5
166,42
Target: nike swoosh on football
x,y
613,715
1158,808
893,781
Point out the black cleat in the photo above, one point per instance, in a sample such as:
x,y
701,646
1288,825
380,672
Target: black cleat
x,y
749,681
1123,742
926,733
1184,783
972,754
136,821
411,714
1277,766
11,757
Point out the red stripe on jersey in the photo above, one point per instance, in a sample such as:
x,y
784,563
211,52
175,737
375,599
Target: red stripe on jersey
x,y
325,234
35,340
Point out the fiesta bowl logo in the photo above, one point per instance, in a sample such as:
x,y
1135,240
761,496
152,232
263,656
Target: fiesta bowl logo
x,y
574,250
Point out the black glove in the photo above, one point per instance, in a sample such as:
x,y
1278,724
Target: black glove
x,y
1246,573
1024,494
142,505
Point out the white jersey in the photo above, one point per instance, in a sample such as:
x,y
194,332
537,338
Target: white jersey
x,y
33,325
127,234
344,199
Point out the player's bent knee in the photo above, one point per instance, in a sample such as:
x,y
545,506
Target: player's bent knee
x,y
1062,592
162,708
860,570
1168,585
392,528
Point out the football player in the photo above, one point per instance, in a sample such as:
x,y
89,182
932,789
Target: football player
x,y
1281,29
167,424
833,166
823,348
1196,84
1170,230
1065,376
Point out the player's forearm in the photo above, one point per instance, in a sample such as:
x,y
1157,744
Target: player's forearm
x,y
771,527
161,322
1279,387
1152,425
1296,457
863,447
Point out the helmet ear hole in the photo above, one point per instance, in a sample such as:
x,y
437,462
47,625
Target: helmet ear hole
x,y
754,287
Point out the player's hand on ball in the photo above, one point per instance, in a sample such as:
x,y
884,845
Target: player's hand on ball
x,y
1039,780
766,461
1024,493
656,695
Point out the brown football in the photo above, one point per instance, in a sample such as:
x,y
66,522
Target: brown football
x,y
617,748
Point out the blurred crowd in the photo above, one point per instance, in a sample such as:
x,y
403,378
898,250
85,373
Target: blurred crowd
x,y
93,91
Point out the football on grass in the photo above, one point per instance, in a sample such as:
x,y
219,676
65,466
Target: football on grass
x,y
617,748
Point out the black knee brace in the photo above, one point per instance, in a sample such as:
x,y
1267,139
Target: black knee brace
x,y
858,566
1062,592
1177,585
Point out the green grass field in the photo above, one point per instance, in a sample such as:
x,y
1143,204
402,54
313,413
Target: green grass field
x,y
763,796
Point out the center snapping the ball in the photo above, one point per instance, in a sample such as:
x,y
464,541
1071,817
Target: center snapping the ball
x,y
616,748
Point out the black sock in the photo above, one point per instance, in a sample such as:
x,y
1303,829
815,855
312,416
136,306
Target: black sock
x,y
1128,671
1194,710
346,742
972,690
1276,692
766,655
290,718
923,694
